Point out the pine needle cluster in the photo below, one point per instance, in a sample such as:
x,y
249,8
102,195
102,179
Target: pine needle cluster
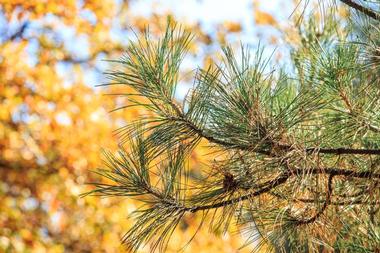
x,y
301,151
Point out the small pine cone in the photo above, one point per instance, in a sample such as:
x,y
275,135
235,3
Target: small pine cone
x,y
229,183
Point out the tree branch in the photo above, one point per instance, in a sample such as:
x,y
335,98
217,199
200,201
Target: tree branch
x,y
368,12
214,140
325,204
342,202
179,116
268,187
341,172
346,202
19,33
334,151
342,151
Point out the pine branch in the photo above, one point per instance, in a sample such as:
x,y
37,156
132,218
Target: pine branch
x,y
214,140
334,151
266,187
357,201
342,202
341,151
368,12
279,137
341,172
323,208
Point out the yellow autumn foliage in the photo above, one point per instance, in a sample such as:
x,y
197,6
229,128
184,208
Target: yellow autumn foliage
x,y
54,124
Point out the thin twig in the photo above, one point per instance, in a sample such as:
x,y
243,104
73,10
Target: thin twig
x,y
341,172
19,33
342,202
270,186
323,208
334,151
370,13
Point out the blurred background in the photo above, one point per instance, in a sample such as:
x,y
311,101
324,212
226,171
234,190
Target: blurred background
x,y
54,122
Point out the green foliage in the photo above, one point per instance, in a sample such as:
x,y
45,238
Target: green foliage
x,y
300,168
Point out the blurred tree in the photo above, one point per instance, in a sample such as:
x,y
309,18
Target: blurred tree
x,y
53,125
294,158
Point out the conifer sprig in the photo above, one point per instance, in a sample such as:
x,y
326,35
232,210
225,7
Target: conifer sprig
x,y
301,154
